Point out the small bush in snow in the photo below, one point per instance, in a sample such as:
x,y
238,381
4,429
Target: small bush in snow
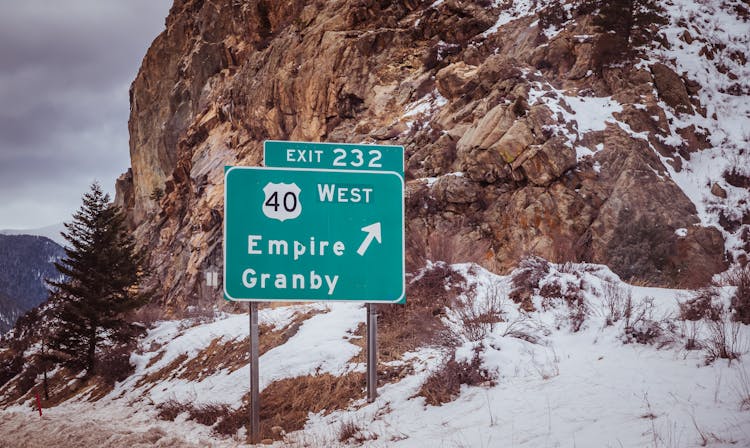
x,y
617,302
525,280
348,430
724,340
643,328
570,291
527,329
170,409
444,384
208,413
704,305
480,314
740,304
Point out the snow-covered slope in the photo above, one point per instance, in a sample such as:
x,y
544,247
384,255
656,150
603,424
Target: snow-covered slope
x,y
578,371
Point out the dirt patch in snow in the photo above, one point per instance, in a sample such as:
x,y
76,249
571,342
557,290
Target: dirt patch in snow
x,y
20,431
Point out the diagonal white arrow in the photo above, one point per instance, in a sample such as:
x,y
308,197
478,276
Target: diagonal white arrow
x,y
373,232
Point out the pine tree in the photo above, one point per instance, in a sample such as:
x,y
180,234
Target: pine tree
x,y
102,270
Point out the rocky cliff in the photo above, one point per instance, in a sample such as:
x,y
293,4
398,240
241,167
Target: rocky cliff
x,y
572,130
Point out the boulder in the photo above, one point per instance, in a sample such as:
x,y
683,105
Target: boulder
x,y
515,141
549,161
671,88
717,191
456,79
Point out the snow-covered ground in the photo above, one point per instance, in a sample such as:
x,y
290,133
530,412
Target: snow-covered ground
x,y
588,388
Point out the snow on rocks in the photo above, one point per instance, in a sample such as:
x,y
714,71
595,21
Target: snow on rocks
x,y
709,48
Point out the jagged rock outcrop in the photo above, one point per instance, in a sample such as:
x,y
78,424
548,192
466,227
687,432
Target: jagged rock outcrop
x,y
492,115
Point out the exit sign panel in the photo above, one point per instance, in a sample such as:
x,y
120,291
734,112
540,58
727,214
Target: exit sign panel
x,y
296,234
337,156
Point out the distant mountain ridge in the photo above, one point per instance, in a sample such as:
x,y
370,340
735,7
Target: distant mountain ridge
x,y
25,262
51,231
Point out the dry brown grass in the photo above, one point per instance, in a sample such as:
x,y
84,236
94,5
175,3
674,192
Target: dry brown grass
x,y
170,409
63,385
287,403
218,355
208,413
403,328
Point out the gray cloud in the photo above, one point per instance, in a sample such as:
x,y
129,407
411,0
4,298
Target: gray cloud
x,y
64,79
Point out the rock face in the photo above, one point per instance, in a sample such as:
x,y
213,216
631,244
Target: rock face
x,y
488,114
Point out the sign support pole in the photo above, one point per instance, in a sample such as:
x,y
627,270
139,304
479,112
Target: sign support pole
x,y
254,376
372,352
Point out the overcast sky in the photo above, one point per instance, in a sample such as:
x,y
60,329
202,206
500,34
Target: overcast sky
x,y
65,70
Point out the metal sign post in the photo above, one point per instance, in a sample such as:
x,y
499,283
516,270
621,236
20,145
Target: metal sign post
x,y
254,376
372,352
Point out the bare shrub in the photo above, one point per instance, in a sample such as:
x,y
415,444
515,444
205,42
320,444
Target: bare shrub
x,y
708,437
524,328
525,280
740,303
453,249
571,293
691,332
616,300
478,315
723,341
208,413
170,409
642,327
348,430
232,421
703,305
444,384
643,246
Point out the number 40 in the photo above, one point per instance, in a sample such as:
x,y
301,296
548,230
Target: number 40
x,y
289,201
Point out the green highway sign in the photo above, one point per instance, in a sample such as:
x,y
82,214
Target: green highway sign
x,y
334,156
313,234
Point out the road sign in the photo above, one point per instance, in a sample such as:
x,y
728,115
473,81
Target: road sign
x,y
335,156
301,234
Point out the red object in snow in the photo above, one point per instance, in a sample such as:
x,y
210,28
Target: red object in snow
x,y
39,404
